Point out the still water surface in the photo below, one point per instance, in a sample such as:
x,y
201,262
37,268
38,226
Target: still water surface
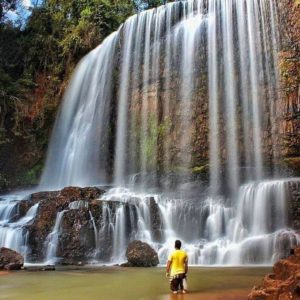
x,y
113,283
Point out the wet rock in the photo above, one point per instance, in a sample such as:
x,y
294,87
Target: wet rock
x,y
284,283
10,259
50,203
48,268
294,205
77,239
283,243
40,268
155,220
141,254
43,195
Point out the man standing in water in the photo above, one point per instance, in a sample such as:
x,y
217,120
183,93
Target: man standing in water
x,y
177,268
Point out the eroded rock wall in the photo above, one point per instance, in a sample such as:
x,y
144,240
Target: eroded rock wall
x,y
288,108
280,141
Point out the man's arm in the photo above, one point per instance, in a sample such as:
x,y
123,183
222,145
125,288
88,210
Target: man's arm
x,y
186,265
169,263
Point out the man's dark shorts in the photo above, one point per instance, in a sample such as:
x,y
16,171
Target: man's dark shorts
x,y
176,282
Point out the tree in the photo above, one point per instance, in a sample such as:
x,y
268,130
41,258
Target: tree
x,y
36,60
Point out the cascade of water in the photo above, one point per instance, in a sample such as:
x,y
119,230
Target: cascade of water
x,y
221,235
153,119
167,85
255,65
30,215
7,210
243,45
144,132
121,141
13,234
188,33
106,229
79,146
119,240
53,239
78,204
212,233
230,94
271,50
262,207
214,153
95,234
134,105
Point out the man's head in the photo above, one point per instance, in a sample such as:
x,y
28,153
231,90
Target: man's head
x,y
177,244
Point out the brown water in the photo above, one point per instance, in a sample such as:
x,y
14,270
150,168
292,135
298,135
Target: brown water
x,y
127,283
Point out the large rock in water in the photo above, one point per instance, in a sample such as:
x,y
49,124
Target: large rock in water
x,y
141,254
50,203
284,283
10,259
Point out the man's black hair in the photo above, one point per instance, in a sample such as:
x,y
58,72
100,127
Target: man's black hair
x,y
177,244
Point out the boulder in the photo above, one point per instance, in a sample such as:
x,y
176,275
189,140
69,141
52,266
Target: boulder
x,y
141,254
77,239
10,259
284,283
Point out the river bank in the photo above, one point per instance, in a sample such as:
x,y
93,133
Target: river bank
x,y
117,283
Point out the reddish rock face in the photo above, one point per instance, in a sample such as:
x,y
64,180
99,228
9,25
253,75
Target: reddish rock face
x,y
288,105
10,259
284,283
50,203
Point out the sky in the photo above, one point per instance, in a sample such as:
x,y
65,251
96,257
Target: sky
x,y
22,12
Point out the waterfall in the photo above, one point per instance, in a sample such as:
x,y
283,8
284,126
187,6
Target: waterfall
x,y
214,154
254,231
79,146
53,239
133,103
177,90
13,229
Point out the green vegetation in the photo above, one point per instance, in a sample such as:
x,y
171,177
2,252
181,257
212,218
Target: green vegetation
x,y
293,163
149,141
31,176
200,169
43,53
36,60
164,127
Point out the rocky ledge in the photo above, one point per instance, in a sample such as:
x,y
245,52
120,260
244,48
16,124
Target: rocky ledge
x,y
76,236
284,283
86,228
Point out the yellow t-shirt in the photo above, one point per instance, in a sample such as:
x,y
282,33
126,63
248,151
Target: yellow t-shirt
x,y
178,259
